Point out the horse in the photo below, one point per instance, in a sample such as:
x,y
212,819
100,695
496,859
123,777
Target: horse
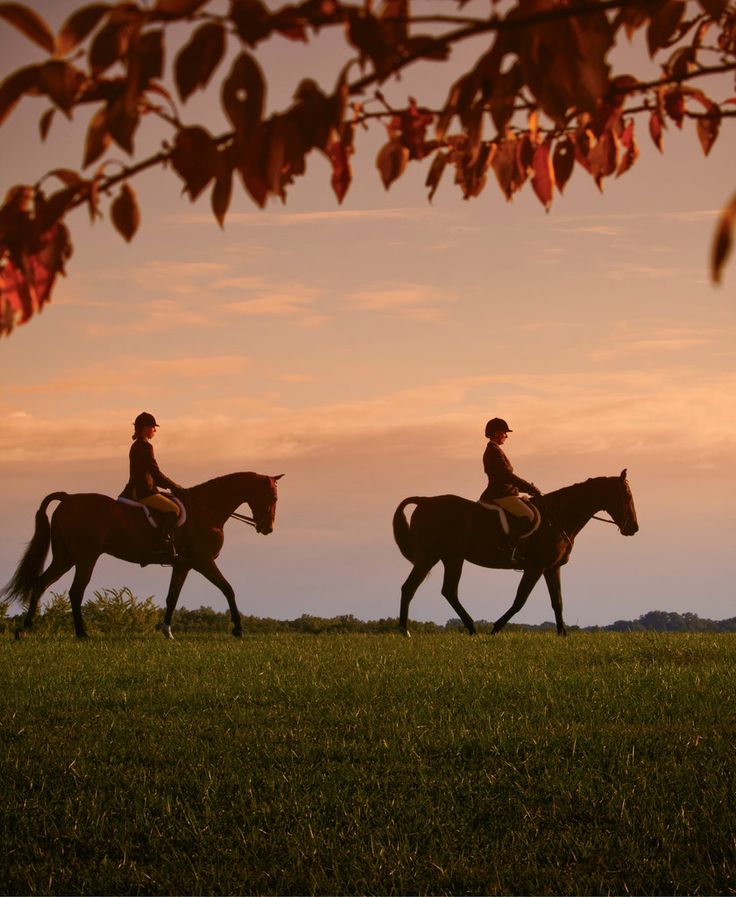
x,y
87,525
453,530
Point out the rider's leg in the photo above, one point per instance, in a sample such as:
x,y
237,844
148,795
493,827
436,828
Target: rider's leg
x,y
518,509
168,522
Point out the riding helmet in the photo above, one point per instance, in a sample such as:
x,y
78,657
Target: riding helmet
x,y
495,424
144,419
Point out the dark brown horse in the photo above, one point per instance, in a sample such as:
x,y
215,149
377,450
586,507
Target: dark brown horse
x,y
453,530
86,525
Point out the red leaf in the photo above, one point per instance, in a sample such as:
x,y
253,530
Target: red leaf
x,y
714,8
98,138
603,157
199,58
79,26
195,159
543,177
44,123
663,24
27,279
22,81
505,166
655,129
563,161
29,23
125,213
243,94
252,20
674,104
630,147
61,82
722,239
339,153
435,173
221,194
391,161
177,9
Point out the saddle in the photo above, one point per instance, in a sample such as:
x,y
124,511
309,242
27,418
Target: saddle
x,y
152,515
508,521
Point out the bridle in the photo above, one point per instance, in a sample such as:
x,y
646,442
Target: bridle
x,y
244,519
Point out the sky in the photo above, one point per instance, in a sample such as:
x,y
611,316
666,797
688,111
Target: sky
x,y
359,350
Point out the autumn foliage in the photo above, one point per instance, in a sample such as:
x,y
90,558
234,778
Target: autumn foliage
x,y
540,102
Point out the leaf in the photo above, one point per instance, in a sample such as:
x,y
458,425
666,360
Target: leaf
x,y
603,157
339,152
44,123
505,166
79,26
674,104
435,173
391,161
221,195
714,8
108,46
663,25
98,137
563,161
655,128
708,129
150,57
195,159
630,147
61,82
723,239
29,23
177,8
543,177
243,94
199,58
22,81
252,20
125,213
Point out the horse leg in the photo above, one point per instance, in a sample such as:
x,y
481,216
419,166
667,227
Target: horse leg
x,y
82,577
453,569
211,572
408,590
55,570
529,579
552,577
178,574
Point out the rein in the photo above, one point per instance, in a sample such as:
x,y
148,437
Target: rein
x,y
243,519
583,514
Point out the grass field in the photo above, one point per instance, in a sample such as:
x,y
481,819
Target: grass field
x,y
520,764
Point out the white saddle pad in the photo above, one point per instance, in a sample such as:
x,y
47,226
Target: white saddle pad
x,y
149,516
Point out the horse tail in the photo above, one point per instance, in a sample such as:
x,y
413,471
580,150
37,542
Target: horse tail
x,y
402,533
29,569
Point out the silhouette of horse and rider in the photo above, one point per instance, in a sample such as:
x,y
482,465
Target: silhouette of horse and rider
x,y
511,526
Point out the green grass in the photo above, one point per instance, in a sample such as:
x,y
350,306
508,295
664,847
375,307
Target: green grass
x,y
521,764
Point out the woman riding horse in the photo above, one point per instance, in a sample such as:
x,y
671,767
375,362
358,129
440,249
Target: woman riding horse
x,y
146,476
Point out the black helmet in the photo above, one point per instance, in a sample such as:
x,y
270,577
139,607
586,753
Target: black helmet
x,y
495,424
144,419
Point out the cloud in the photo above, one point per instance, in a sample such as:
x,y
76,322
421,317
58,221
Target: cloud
x,y
292,219
601,230
417,301
647,413
622,342
126,374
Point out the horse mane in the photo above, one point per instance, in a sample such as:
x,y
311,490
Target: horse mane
x,y
574,488
221,480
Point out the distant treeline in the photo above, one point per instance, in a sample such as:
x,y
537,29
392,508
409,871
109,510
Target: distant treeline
x,y
120,611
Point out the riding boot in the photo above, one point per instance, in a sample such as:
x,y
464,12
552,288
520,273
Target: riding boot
x,y
166,527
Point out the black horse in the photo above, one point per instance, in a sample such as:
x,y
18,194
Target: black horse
x,y
86,525
451,529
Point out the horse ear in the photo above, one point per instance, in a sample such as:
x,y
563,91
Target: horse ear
x,y
623,474
277,477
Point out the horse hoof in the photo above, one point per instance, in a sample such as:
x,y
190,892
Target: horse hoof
x,y
237,633
19,634
166,631
405,632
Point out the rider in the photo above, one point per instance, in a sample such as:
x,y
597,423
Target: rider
x,y
145,476
503,484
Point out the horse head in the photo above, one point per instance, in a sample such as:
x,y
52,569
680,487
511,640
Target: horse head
x,y
263,504
620,505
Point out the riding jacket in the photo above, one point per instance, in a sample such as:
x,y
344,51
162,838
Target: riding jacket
x,y
145,474
502,481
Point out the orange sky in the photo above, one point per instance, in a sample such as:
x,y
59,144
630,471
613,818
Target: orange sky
x,y
360,350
